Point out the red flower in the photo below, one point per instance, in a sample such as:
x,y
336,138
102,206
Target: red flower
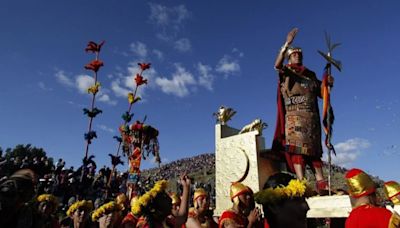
x,y
94,47
94,65
139,80
144,66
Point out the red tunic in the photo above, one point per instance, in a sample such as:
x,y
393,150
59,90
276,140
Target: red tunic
x,y
230,216
129,219
370,216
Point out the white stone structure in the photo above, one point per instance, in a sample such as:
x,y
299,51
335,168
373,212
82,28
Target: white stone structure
x,y
237,156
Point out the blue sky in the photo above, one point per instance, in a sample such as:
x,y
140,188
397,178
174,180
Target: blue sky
x,y
204,54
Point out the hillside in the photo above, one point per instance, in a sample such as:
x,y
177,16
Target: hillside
x,y
202,169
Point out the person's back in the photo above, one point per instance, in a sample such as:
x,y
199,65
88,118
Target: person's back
x,y
369,216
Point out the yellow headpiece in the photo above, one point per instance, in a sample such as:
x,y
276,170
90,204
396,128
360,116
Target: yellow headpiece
x,y
106,209
292,50
175,198
359,183
392,189
49,198
145,199
198,193
83,204
238,189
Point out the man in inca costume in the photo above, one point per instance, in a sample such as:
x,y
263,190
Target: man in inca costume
x,y
298,130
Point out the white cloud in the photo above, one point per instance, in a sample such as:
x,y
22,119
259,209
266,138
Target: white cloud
x,y
105,128
83,82
169,19
64,79
239,53
183,45
118,90
106,99
125,83
158,54
179,83
44,87
348,151
165,16
228,66
206,78
139,49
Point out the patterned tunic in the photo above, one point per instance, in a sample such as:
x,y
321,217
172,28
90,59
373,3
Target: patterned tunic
x,y
300,89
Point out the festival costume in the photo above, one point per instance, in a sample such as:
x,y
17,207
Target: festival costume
x,y
298,128
392,191
230,216
367,215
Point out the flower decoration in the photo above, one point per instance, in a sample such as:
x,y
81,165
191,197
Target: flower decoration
x,y
295,188
139,80
48,198
144,66
132,99
119,139
86,205
90,135
145,199
94,47
94,88
127,117
106,209
115,160
94,65
92,113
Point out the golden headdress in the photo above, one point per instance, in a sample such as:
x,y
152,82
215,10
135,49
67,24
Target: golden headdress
x,y
84,204
198,193
106,209
122,200
237,189
392,189
292,50
175,198
359,183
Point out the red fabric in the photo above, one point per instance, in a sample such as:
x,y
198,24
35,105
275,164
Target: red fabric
x,y
299,159
241,221
353,172
129,219
368,216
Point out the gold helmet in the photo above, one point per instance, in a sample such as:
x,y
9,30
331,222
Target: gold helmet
x,y
175,198
237,189
392,189
121,199
359,183
198,193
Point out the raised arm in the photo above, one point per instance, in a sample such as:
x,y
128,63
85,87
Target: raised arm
x,y
281,55
184,207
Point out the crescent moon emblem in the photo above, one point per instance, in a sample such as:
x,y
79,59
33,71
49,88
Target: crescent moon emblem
x,y
246,172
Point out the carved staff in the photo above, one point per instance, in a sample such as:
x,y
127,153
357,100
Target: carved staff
x,y
327,113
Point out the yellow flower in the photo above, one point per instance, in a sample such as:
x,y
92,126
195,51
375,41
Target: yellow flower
x,y
85,205
94,88
106,209
295,188
146,198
